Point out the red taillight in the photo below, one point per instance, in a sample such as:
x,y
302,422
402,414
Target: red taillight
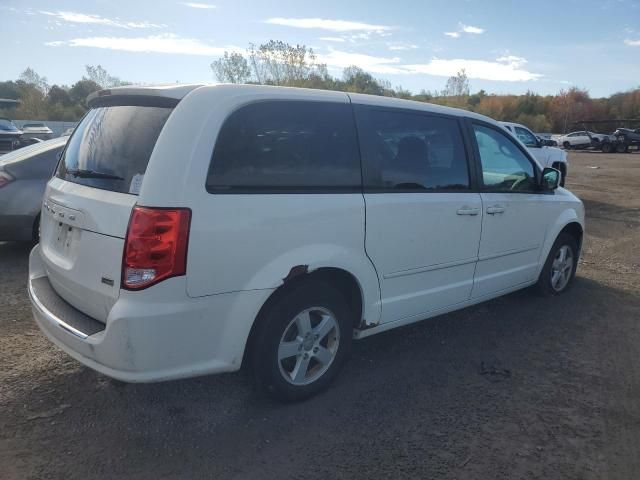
x,y
5,179
155,247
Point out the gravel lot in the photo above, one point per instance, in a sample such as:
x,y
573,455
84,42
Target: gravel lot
x,y
519,387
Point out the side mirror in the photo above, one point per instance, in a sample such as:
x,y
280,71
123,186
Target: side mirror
x,y
550,179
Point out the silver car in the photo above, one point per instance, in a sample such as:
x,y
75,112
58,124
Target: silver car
x,y
36,130
24,173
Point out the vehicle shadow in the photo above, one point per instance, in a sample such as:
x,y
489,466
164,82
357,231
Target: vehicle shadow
x,y
422,398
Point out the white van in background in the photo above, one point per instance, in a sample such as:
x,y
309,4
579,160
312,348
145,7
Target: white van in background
x,y
190,227
547,156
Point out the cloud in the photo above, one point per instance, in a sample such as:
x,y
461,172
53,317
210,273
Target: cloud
x,y
505,69
333,39
165,43
325,24
398,47
471,29
512,60
632,43
203,6
76,17
369,63
462,28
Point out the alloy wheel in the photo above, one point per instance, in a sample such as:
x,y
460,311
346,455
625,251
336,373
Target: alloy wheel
x,y
308,346
562,268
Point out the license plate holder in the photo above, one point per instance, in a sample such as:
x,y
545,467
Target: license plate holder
x,y
64,237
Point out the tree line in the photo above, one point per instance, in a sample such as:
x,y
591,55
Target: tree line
x,y
41,101
283,64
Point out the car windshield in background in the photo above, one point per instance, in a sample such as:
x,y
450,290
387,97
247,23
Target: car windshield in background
x,y
110,148
7,125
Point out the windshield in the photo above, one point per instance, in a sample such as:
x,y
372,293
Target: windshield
x,y
7,125
111,147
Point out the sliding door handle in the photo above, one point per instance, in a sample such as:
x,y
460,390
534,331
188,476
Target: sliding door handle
x,y
495,209
468,211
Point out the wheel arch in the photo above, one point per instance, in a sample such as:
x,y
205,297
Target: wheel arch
x,y
568,222
345,282
576,231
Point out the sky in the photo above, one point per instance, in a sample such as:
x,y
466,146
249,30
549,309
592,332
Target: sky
x,y
504,46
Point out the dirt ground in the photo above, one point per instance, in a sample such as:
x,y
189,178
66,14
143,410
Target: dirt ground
x,y
519,387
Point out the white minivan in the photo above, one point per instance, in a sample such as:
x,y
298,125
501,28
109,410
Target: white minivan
x,y
189,229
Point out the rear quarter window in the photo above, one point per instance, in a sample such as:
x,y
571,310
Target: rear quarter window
x,y
286,146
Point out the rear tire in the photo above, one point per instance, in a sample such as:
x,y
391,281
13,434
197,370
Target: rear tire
x,y
301,341
35,234
560,267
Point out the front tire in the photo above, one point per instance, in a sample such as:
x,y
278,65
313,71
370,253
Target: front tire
x,y
622,148
560,268
301,341
566,145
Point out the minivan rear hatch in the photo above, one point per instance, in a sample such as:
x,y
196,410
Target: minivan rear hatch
x,y
88,202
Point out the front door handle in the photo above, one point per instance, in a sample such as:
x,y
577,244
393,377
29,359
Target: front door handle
x,y
495,209
468,211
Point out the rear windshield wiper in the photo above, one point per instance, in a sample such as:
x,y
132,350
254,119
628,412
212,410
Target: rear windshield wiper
x,y
82,173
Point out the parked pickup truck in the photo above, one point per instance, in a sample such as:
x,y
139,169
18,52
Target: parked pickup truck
x,y
545,155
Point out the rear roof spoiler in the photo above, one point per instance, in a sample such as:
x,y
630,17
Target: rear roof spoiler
x,y
164,96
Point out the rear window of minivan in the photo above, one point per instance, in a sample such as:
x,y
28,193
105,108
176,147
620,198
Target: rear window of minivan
x,y
111,147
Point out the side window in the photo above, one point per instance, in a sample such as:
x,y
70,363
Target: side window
x,y
286,146
504,166
526,137
411,151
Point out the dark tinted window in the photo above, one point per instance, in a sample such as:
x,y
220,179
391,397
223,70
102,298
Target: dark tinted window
x,y
504,166
116,142
286,145
411,151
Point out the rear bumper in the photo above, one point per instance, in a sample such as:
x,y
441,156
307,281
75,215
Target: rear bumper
x,y
149,337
